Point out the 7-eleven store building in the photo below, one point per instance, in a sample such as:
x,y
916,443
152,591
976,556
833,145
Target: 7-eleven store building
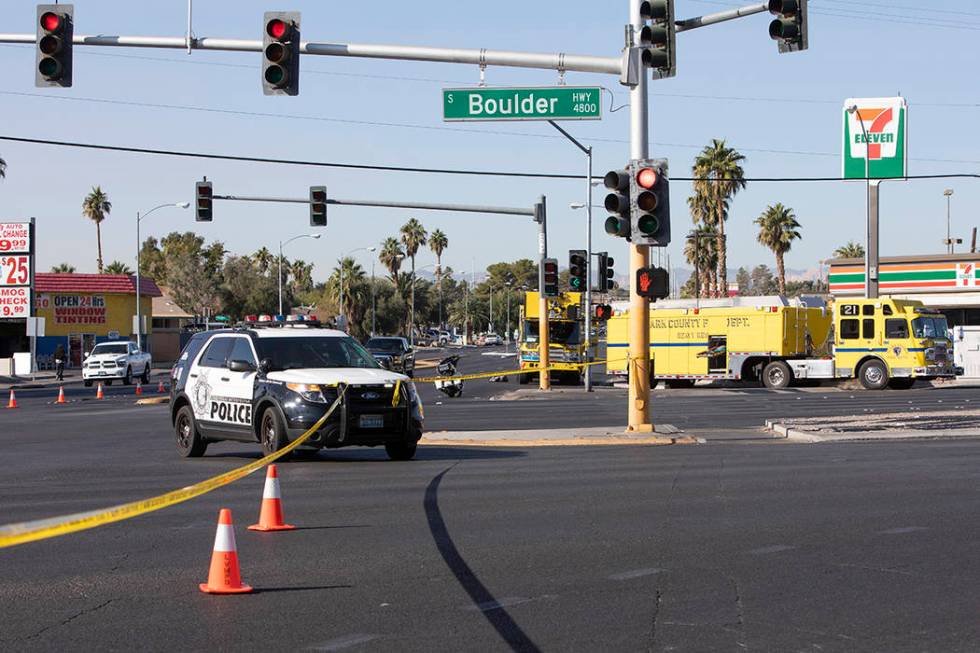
x,y
947,282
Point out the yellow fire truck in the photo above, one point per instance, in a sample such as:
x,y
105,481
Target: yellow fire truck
x,y
566,336
881,342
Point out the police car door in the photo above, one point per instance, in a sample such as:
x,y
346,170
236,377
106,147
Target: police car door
x,y
222,399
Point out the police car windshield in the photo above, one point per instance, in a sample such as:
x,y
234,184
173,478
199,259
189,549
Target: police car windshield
x,y
313,352
385,344
111,349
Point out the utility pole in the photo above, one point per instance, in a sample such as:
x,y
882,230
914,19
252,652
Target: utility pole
x,y
638,364
949,239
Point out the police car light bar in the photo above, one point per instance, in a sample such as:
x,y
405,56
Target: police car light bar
x,y
251,318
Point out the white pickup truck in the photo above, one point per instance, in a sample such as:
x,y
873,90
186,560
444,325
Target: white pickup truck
x,y
116,360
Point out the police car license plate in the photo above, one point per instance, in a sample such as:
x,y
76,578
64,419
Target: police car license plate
x,y
371,421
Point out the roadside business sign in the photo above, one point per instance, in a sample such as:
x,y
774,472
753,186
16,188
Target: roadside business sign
x,y
538,103
875,135
16,269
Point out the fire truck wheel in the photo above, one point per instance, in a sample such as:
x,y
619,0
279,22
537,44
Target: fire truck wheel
x,y
777,375
873,375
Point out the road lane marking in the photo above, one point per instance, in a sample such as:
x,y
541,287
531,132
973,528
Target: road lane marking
x,y
635,573
902,530
341,643
775,548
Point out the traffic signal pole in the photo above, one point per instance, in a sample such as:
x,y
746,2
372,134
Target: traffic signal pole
x,y
544,337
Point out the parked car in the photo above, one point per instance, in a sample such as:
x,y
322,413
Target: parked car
x,y
393,352
492,339
120,360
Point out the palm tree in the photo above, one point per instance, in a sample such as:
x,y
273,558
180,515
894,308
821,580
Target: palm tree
x,y
263,258
438,244
778,229
850,250
353,275
96,207
302,274
703,256
719,177
391,256
63,268
413,237
117,267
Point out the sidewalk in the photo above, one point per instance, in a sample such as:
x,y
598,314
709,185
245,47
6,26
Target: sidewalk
x,y
588,436
44,379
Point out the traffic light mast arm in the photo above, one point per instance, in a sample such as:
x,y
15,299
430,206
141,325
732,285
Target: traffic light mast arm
x,y
720,17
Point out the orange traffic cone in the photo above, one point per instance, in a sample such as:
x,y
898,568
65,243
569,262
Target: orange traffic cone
x,y
139,389
160,387
12,403
224,576
270,517
99,394
61,396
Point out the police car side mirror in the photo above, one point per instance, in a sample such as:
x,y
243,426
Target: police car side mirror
x,y
265,365
240,366
87,354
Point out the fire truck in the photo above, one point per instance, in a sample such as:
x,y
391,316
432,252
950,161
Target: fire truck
x,y
881,342
567,342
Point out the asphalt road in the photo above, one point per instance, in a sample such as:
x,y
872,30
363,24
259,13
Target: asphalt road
x,y
772,546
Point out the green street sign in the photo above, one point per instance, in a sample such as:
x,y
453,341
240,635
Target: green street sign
x,y
547,103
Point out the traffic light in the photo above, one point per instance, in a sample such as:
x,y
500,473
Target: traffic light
x,y
204,201
603,312
650,202
280,53
550,277
652,283
318,206
55,30
606,273
578,269
789,29
658,39
618,203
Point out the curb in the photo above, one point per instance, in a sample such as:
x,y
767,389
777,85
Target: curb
x,y
568,442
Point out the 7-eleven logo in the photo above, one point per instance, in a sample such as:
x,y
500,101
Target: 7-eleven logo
x,y
966,274
875,121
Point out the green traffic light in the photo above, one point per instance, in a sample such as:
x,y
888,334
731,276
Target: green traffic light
x,y
275,75
648,225
49,68
616,226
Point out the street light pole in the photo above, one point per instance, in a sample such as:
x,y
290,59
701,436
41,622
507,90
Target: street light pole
x,y
281,245
139,314
374,304
949,238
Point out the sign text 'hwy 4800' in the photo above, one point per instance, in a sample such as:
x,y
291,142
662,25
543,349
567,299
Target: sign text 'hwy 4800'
x,y
548,103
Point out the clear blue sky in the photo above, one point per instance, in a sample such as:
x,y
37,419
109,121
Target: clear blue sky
x,y
781,111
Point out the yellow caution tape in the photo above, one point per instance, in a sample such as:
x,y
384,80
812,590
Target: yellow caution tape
x,y
529,370
396,393
41,529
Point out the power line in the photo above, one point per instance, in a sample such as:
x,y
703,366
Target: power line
x,y
362,166
378,123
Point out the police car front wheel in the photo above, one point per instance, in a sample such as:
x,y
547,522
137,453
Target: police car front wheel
x,y
190,444
272,431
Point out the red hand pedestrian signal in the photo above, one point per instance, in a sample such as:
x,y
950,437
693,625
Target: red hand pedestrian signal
x,y
652,283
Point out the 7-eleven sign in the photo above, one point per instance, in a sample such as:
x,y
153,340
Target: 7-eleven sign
x,y
881,143
966,275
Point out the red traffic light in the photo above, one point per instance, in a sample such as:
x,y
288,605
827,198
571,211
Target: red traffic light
x,y
50,21
277,28
647,178
550,267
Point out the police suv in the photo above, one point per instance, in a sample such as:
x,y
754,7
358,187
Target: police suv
x,y
269,380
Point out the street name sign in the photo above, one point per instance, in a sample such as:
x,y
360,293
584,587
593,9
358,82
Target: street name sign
x,y
883,138
543,103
